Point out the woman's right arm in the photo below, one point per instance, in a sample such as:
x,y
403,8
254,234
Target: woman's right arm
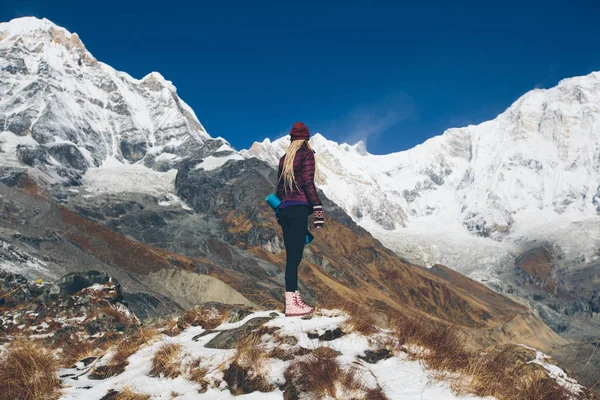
x,y
308,178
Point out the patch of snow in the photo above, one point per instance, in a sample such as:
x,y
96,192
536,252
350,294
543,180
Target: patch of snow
x,y
166,157
211,162
8,147
114,177
15,261
555,372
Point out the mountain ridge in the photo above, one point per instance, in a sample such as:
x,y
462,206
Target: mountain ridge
x,y
64,112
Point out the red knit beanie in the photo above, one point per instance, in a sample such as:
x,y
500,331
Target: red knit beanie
x,y
300,131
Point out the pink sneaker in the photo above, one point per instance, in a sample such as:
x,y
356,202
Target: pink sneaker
x,y
294,306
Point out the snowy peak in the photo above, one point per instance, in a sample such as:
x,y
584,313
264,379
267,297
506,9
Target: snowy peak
x,y
63,112
539,159
36,34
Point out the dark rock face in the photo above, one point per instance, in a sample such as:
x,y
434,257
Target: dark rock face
x,y
146,305
74,282
68,155
16,66
20,124
32,156
133,150
595,303
537,265
241,186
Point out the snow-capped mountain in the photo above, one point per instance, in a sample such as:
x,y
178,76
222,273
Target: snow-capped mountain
x,y
64,112
529,174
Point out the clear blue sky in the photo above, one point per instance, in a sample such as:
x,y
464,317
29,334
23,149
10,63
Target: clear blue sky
x,y
392,72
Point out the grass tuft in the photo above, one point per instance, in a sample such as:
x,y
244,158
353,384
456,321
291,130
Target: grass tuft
x,y
117,316
130,394
28,372
246,372
131,344
321,375
198,373
167,361
207,318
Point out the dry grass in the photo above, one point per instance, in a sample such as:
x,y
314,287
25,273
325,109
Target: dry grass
x,y
250,352
321,375
117,316
130,394
198,373
75,349
131,344
505,373
502,372
28,372
207,318
167,361
361,319
125,349
361,313
445,347
246,372
317,375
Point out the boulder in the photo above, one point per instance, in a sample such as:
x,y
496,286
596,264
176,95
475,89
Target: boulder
x,y
74,282
229,339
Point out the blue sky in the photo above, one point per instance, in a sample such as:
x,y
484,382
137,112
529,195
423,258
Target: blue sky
x,y
392,73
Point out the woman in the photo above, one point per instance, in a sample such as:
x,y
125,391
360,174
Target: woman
x,y
299,198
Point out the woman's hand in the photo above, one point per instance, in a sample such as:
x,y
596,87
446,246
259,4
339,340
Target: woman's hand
x,y
319,216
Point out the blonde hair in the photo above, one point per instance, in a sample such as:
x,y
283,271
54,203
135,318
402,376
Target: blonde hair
x,y
287,174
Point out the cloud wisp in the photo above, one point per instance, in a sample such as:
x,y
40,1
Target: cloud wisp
x,y
368,122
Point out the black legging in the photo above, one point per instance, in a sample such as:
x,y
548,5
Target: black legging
x,y
294,222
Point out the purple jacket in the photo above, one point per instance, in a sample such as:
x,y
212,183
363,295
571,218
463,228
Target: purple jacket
x,y
304,173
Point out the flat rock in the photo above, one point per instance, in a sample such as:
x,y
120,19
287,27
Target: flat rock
x,y
328,336
229,339
373,357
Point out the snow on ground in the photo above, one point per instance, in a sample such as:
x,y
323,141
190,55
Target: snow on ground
x,y
17,262
432,241
555,372
211,162
115,177
8,147
399,377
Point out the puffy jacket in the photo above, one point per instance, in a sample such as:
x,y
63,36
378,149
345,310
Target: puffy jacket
x,y
305,190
